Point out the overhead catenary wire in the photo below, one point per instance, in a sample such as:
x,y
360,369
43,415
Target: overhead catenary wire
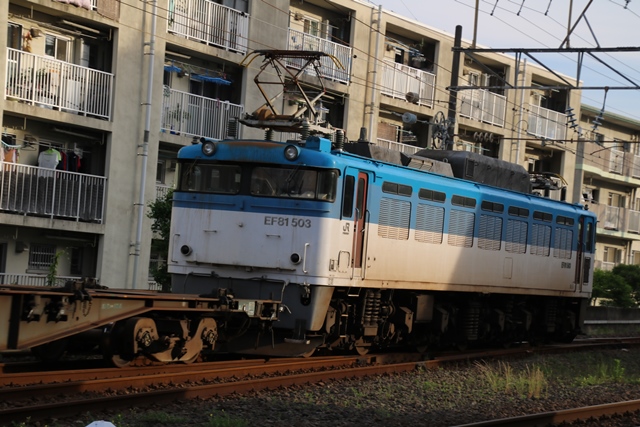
x,y
354,81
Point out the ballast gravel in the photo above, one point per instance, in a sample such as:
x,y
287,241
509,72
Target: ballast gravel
x,y
449,396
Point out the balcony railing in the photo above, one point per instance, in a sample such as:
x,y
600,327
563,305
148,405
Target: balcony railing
x,y
31,190
606,266
194,115
547,123
329,70
398,146
634,222
635,167
484,106
162,191
615,218
51,83
33,279
400,79
616,161
209,22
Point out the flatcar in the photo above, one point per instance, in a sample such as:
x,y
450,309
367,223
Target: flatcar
x,y
368,249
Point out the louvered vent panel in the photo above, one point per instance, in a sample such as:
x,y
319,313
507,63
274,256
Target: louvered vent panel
x,y
394,219
540,239
490,232
429,224
562,246
516,239
461,228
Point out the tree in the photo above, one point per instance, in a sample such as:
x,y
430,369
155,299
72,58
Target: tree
x,y
631,274
160,212
612,289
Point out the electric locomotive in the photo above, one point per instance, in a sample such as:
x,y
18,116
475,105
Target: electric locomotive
x,y
367,249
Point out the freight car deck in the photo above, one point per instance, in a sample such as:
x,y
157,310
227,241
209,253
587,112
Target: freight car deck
x,y
163,327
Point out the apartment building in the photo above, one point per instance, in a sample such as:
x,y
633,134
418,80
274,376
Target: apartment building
x,y
608,165
99,95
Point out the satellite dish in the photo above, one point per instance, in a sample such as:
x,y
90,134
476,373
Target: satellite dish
x,y
409,118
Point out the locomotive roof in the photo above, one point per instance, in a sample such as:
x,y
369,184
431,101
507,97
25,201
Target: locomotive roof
x,y
462,165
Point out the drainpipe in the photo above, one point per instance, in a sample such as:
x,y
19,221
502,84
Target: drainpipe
x,y
374,77
524,75
145,143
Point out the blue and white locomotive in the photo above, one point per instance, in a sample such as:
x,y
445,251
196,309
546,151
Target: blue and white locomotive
x,y
368,248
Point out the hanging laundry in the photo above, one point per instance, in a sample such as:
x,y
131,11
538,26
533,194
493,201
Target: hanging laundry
x,y
49,159
8,151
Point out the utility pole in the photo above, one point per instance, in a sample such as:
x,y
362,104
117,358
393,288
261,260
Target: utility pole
x,y
453,93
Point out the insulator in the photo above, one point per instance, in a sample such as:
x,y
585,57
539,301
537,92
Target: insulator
x,y
340,139
306,130
268,135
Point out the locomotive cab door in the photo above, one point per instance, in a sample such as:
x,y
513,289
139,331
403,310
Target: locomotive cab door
x,y
585,258
355,209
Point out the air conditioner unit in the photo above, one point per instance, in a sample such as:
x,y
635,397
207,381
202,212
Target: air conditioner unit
x,y
298,16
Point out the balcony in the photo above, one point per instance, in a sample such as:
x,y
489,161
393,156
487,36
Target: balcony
x,y
616,161
209,22
606,266
546,123
328,70
34,279
50,83
31,190
194,115
619,219
162,191
399,79
398,146
635,167
483,106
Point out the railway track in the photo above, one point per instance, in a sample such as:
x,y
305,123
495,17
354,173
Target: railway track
x,y
597,413
96,389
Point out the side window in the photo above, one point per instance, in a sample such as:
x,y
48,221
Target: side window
x,y
347,199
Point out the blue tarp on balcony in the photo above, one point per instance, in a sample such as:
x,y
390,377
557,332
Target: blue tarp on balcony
x,y
216,80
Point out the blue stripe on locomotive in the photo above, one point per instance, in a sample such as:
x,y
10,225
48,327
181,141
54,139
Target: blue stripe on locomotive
x,y
256,151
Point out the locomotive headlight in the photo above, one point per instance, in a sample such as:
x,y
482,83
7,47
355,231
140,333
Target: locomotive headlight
x,y
291,152
185,250
208,147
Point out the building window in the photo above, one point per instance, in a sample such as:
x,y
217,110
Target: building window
x,y
616,200
612,255
56,47
160,172
14,36
41,256
75,262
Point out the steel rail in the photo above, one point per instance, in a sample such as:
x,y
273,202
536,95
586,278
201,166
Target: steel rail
x,y
562,416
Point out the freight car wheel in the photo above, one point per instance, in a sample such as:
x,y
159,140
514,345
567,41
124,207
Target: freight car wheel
x,y
362,347
120,362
